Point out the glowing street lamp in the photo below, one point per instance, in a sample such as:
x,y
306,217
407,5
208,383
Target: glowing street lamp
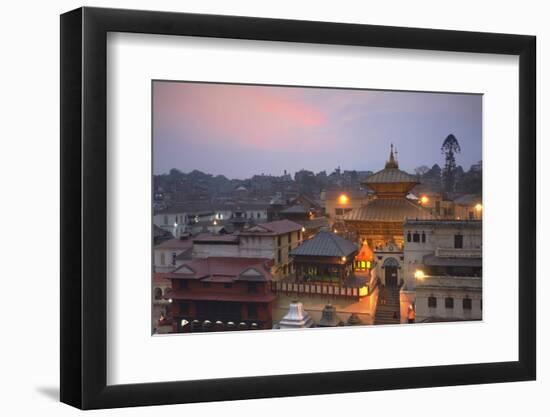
x,y
419,274
344,259
424,200
478,207
343,199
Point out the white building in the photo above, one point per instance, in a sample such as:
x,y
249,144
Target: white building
x,y
442,270
165,254
182,218
273,240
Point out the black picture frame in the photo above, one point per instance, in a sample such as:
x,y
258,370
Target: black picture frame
x,y
84,207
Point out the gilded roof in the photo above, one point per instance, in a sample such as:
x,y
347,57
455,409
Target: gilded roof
x,y
390,175
389,210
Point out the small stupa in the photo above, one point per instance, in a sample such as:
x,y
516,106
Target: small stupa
x,y
329,318
296,318
354,320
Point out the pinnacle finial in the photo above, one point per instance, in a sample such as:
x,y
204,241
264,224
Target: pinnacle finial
x,y
392,163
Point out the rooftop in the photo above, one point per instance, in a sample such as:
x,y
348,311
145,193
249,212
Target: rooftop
x,y
391,175
325,244
227,269
215,238
389,210
275,228
175,244
296,209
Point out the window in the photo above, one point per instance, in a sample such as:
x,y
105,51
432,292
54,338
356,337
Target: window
x,y
466,303
279,256
416,237
423,237
174,255
162,258
227,285
206,284
339,211
258,215
278,240
449,302
432,302
458,241
184,308
158,293
409,237
471,215
252,287
184,284
165,219
252,311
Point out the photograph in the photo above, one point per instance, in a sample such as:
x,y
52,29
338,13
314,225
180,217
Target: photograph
x,y
295,207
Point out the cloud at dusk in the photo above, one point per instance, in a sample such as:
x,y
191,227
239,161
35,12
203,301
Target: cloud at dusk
x,y
242,130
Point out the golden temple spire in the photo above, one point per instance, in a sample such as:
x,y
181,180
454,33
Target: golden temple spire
x,y
392,163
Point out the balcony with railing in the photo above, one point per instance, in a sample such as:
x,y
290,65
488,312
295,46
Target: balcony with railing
x,y
332,290
458,252
448,281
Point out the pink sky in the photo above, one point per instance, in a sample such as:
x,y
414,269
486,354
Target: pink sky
x,y
241,130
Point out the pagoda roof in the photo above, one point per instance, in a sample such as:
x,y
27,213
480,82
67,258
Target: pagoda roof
x,y
390,176
325,244
389,210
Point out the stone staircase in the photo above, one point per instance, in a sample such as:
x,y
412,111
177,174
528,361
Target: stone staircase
x,y
387,310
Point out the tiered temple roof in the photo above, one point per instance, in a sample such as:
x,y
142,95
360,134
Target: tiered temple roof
x,y
391,186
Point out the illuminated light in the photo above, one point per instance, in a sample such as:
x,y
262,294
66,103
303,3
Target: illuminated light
x,y
175,225
479,207
424,199
368,264
343,199
344,259
215,223
184,322
170,300
335,231
303,229
419,274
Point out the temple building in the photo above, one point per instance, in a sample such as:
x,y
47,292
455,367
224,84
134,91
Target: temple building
x,y
380,221
324,257
229,290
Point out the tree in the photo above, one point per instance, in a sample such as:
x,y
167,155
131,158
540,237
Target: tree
x,y
421,170
449,148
